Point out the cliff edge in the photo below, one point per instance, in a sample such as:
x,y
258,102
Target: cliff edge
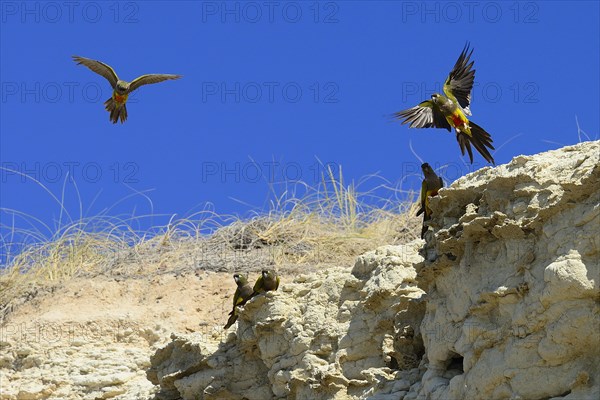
x,y
500,301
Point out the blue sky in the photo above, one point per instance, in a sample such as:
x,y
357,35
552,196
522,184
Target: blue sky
x,y
270,91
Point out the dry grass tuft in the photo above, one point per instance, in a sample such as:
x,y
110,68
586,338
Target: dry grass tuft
x,y
324,225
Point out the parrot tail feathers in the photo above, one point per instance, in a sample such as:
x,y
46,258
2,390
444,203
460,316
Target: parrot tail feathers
x,y
463,142
425,225
117,111
231,320
123,114
482,141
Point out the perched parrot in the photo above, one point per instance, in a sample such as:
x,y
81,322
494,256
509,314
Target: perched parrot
x,y
121,89
242,294
267,281
430,186
450,111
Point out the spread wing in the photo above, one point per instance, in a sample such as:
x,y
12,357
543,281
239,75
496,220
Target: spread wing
x,y
100,68
459,83
425,115
150,78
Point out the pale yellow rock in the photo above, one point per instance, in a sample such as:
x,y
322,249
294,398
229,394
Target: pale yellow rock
x,y
511,310
334,341
500,302
519,302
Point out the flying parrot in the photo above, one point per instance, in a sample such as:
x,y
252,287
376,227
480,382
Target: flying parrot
x,y
242,294
121,89
430,186
450,111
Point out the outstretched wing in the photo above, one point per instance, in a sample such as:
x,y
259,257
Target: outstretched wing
x,y
150,78
100,68
459,83
425,115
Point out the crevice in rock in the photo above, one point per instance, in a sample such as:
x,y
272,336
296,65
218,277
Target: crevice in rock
x,y
568,392
565,394
393,364
456,362
409,349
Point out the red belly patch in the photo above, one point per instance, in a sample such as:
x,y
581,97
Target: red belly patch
x,y
119,99
457,120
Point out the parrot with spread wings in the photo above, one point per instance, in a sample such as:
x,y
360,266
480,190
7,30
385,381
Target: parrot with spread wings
x,y
115,105
450,110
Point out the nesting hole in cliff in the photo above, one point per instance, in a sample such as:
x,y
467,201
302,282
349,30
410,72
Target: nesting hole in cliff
x,y
456,363
409,349
393,364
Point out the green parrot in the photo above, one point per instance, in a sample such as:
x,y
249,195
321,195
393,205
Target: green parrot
x,y
267,281
450,111
430,186
242,294
121,89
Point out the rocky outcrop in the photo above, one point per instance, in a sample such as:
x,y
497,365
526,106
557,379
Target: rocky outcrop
x,y
72,361
511,308
91,338
339,333
512,279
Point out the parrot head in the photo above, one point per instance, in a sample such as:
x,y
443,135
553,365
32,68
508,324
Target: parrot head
x,y
122,87
267,274
240,279
426,168
439,100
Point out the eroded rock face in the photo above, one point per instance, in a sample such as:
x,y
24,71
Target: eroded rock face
x,y
513,291
92,338
73,361
338,334
511,311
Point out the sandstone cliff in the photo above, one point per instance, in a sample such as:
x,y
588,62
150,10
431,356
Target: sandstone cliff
x,y
501,302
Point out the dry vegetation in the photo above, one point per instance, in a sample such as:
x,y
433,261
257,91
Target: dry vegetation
x,y
327,225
